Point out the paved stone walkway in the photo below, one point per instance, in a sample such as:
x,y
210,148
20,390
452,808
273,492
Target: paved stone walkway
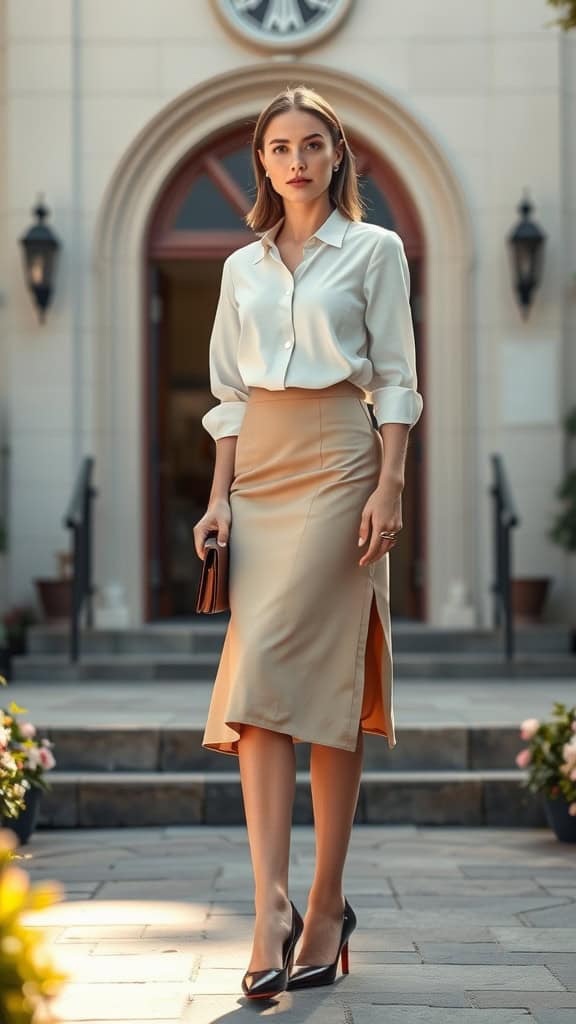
x,y
456,926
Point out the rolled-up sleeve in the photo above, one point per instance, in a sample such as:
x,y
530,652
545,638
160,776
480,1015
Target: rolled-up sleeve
x,y
391,345
225,419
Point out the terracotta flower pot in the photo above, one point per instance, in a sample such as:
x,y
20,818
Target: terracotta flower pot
x,y
55,598
528,597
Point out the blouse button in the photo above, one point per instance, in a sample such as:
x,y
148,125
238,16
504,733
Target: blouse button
x,y
287,344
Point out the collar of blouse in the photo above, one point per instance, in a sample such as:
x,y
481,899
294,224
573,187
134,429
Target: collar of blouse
x,y
331,231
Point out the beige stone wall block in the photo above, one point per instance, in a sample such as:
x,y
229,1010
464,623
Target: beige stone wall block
x,y
524,145
38,150
38,19
40,458
148,19
110,124
511,17
182,64
459,122
449,65
38,67
418,18
524,64
120,68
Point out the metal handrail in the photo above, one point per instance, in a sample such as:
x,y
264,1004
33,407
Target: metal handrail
x,y
78,519
505,519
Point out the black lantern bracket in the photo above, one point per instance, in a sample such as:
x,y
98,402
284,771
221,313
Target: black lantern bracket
x,y
40,254
526,242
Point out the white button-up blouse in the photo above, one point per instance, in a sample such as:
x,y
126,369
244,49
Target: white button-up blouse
x,y
343,315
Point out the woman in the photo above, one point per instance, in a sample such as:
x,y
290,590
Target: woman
x,y
312,318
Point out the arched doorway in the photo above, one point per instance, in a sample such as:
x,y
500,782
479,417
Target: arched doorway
x,y
457,542
196,222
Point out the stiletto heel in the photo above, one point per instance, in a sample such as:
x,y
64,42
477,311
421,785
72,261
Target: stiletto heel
x,y
267,983
345,959
325,974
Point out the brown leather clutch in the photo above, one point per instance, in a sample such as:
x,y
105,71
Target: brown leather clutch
x,y
212,593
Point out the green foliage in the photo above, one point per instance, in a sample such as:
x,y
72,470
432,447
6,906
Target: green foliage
x,y
550,755
563,531
567,10
16,621
23,760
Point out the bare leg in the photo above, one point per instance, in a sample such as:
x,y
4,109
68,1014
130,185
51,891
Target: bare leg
x,y
335,780
268,778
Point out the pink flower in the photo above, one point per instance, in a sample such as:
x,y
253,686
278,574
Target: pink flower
x,y
528,728
574,725
573,775
572,809
28,730
46,758
523,758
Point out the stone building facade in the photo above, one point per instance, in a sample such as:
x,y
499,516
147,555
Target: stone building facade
x,y
133,118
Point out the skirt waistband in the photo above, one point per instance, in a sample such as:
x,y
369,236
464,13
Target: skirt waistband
x,y
342,387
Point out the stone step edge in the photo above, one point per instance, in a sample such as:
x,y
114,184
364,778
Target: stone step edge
x,y
210,624
212,657
225,777
140,727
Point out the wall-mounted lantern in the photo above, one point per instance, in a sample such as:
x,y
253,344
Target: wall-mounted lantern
x,y
40,247
526,243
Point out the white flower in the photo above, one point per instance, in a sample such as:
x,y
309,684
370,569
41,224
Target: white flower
x,y
528,727
4,737
33,759
28,730
7,761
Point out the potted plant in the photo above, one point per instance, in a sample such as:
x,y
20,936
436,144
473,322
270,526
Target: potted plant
x,y
24,759
55,594
15,623
29,981
550,759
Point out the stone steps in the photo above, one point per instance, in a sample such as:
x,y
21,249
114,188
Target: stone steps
x,y
128,776
178,748
133,799
203,635
202,667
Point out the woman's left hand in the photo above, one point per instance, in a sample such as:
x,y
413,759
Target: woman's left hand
x,y
382,511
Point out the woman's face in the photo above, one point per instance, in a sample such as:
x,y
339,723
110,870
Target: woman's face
x,y
297,144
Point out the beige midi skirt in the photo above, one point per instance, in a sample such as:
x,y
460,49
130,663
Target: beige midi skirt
x,y
307,651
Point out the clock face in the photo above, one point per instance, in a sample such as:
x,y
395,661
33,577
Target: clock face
x,y
283,24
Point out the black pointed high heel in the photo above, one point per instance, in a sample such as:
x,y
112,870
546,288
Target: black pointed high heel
x,y
267,983
309,976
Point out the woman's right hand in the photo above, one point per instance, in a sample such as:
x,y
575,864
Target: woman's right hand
x,y
218,516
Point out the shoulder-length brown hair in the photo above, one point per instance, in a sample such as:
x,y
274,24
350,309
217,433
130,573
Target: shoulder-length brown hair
x,y
343,190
